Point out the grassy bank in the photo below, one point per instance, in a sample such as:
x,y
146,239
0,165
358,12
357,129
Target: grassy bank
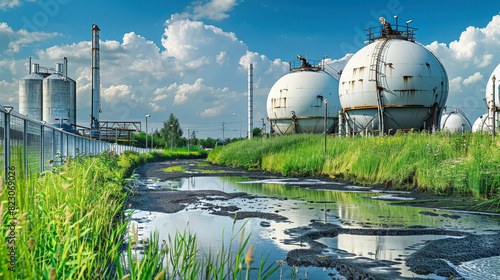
x,y
70,224
442,164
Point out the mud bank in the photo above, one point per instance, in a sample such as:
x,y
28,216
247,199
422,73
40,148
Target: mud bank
x,y
432,258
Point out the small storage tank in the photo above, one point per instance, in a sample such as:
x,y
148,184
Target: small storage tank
x,y
393,83
455,121
31,94
296,102
56,97
481,124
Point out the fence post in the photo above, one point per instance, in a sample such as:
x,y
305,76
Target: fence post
x,y
25,142
7,144
54,147
42,136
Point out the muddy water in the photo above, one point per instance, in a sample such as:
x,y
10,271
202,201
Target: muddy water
x,y
355,208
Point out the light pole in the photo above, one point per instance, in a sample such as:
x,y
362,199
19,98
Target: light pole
x,y
172,138
147,116
152,136
241,122
188,139
326,111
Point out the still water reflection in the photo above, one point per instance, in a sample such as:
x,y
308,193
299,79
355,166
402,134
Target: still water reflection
x,y
291,198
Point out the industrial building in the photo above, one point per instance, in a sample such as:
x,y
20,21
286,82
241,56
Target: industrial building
x,y
48,94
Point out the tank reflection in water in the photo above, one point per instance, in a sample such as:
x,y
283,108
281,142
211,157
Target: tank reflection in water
x,y
291,198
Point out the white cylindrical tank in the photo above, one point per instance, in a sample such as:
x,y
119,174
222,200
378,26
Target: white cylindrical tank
x,y
296,102
455,121
31,94
56,99
397,76
481,124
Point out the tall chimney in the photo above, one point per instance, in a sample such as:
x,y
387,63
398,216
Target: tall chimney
x,y
250,100
95,78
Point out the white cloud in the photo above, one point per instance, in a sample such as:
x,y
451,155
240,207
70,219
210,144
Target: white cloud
x,y
214,9
156,108
21,38
456,85
476,51
473,79
115,93
9,4
212,112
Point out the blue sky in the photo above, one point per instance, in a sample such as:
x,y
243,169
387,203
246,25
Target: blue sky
x,y
189,58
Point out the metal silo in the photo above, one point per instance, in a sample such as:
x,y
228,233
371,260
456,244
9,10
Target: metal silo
x,y
296,101
56,97
31,93
481,124
393,83
455,121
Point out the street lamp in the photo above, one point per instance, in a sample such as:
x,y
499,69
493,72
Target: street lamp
x,y
172,138
188,140
147,116
241,122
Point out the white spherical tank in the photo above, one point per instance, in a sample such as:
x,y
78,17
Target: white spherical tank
x,y
296,102
398,77
489,87
481,124
30,94
455,121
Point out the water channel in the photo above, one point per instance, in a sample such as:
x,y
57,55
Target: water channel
x,y
355,208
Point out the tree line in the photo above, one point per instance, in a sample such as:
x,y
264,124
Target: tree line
x,y
171,133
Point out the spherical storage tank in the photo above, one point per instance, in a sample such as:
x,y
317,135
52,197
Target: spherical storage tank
x,y
481,124
489,87
56,97
30,94
455,121
394,82
296,102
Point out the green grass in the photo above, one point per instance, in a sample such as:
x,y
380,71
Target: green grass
x,y
174,169
441,164
70,224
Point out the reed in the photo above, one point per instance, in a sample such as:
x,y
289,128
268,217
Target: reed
x,y
443,163
70,224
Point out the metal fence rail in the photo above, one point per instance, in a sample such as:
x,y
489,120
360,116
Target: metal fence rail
x,y
32,146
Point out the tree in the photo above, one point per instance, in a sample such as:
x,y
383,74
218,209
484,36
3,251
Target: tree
x,y
166,131
257,132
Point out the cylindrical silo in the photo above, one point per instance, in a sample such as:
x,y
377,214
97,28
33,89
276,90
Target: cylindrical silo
x,y
31,94
481,124
393,83
455,121
72,101
56,99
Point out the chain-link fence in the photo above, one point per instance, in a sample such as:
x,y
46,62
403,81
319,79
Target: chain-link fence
x,y
32,146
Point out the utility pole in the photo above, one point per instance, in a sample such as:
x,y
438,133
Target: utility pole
x,y
171,138
188,139
326,111
223,123
494,124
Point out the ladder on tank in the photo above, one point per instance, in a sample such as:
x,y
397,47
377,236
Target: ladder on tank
x,y
376,75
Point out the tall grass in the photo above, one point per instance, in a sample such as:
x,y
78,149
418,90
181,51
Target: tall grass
x,y
70,224
442,163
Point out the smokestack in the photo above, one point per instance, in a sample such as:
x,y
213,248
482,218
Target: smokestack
x,y
29,70
95,78
250,100
65,68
